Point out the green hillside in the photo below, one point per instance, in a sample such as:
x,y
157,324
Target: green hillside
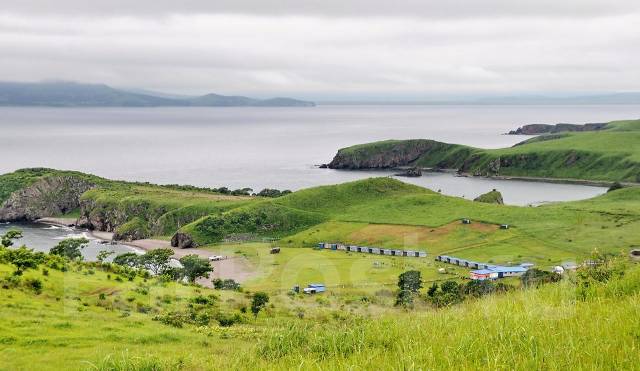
x,y
612,154
91,317
388,213
297,211
131,210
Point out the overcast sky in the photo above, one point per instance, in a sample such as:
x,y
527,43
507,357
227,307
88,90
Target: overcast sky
x,y
329,49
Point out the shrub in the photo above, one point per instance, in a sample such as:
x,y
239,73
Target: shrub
x,y
34,284
536,277
7,239
615,186
228,319
204,300
11,282
128,259
175,319
70,248
227,284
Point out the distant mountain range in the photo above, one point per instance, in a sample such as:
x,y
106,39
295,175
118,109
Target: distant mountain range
x,y
71,94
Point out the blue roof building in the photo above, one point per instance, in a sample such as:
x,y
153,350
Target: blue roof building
x,y
497,271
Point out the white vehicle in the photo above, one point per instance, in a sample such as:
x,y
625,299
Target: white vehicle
x,y
216,258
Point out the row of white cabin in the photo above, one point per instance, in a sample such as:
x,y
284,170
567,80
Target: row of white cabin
x,y
372,250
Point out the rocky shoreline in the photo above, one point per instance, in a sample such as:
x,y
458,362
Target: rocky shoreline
x,y
537,129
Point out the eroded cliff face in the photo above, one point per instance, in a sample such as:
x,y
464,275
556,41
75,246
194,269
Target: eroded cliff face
x,y
49,196
390,155
536,129
127,220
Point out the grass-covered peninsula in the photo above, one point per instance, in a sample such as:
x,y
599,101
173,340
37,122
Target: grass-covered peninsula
x,y
611,154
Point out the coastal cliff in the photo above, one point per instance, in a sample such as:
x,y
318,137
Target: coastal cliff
x,y
45,196
608,155
394,153
130,210
537,129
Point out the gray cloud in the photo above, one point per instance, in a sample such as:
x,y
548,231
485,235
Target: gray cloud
x,y
315,49
351,8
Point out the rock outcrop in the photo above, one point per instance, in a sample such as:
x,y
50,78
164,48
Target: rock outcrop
x,y
413,172
536,129
394,153
48,196
493,197
183,241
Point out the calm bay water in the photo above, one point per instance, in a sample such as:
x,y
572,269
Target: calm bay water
x,y
42,237
273,147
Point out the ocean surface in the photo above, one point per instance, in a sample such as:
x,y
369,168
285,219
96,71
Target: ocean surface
x,y
274,147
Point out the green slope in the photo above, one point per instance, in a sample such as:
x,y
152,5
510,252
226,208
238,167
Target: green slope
x,y
85,319
386,212
296,211
607,155
131,210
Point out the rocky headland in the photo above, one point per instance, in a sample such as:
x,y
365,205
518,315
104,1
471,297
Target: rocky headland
x,y
537,129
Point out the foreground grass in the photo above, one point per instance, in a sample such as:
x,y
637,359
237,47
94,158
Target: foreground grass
x,y
548,328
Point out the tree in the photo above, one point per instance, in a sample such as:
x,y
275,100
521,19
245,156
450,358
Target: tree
x,y
432,290
195,267
404,298
128,259
104,254
259,301
409,283
156,260
7,238
24,258
70,248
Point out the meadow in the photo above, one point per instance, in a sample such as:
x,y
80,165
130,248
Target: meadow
x,y
91,316
87,319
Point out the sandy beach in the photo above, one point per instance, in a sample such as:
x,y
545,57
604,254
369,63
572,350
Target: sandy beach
x,y
237,268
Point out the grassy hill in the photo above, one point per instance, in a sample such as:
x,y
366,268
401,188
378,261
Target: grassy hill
x,y
612,154
388,213
297,211
88,318
379,212
131,210
94,316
